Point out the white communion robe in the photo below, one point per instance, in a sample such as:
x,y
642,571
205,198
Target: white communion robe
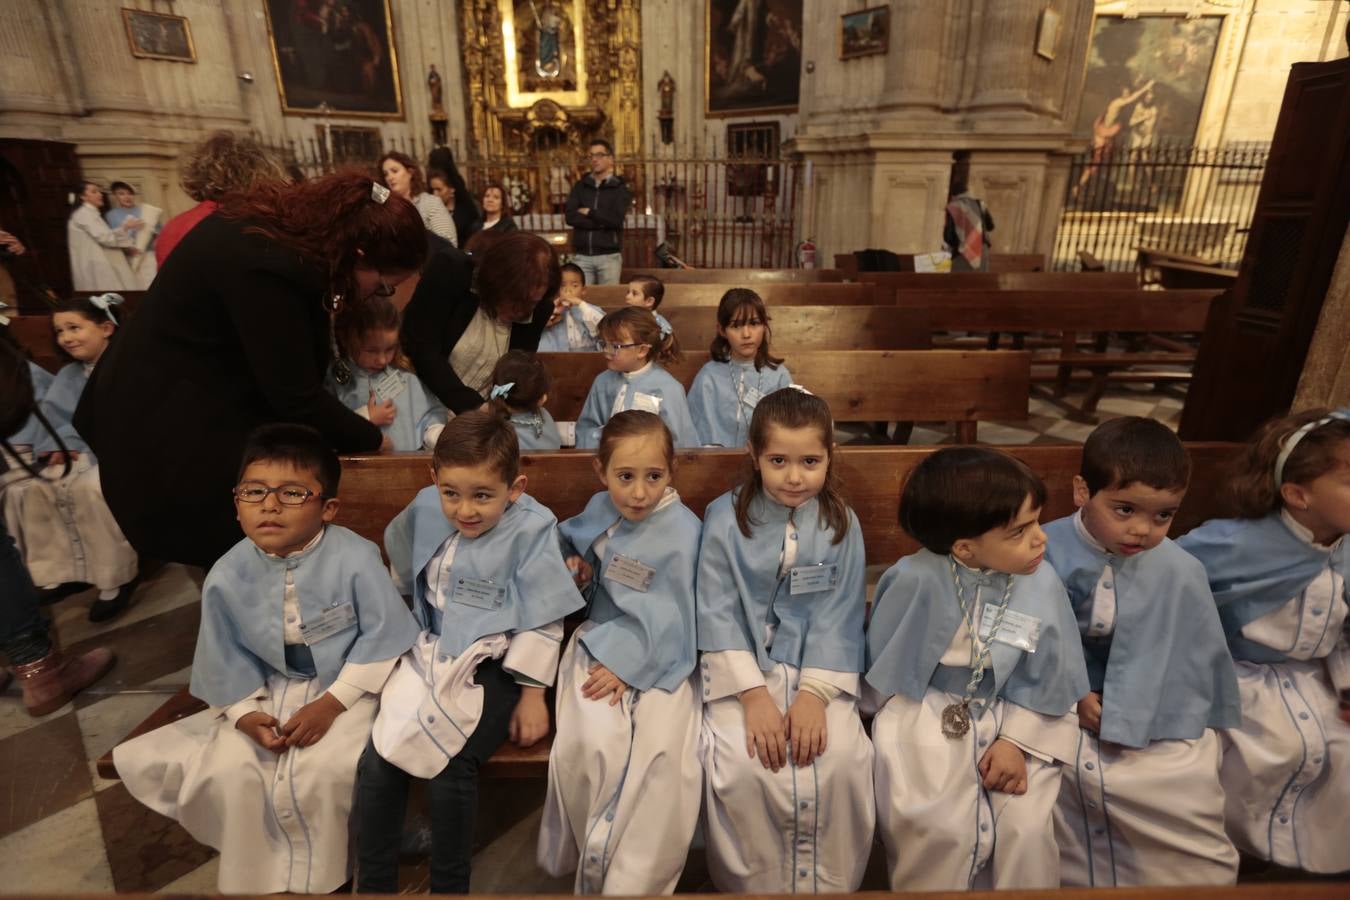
x,y
97,262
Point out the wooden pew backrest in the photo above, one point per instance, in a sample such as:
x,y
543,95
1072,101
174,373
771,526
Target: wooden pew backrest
x,y
1105,310
750,277
992,281
859,385
797,328
610,296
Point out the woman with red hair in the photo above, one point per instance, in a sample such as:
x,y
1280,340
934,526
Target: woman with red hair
x,y
236,331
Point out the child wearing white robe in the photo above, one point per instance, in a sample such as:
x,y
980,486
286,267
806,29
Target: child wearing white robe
x,y
97,260
781,598
1141,803
520,386
574,326
741,372
615,759
482,562
300,629
1278,573
973,660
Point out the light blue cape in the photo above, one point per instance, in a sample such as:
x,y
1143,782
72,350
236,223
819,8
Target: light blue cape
x,y
721,412
655,381
417,408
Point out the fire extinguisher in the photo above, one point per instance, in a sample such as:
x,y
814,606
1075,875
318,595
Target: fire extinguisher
x,y
806,254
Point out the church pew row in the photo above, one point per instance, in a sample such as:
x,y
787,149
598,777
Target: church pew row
x,y
747,277
610,296
998,262
797,328
960,386
375,488
1298,890
1006,281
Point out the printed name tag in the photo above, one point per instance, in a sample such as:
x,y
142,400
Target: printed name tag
x,y
388,386
338,618
1018,629
648,402
751,397
630,573
809,579
481,594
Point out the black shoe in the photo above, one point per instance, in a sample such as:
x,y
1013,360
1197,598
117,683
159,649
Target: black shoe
x,y
103,610
48,596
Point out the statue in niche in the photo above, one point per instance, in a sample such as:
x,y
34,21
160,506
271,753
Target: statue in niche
x,y
439,119
666,115
546,57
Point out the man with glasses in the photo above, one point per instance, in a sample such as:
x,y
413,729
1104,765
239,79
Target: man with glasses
x,y
595,210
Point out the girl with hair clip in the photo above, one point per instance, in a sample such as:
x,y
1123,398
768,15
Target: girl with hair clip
x,y
614,760
519,391
1278,573
635,346
61,523
780,601
373,379
742,371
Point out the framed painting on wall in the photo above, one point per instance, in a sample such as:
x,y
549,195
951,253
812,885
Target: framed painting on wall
x,y
752,56
864,32
159,36
337,58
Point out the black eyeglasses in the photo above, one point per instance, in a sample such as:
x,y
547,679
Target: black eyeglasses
x,y
287,494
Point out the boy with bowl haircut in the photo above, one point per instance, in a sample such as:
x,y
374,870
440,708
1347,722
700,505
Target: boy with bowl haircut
x,y
1142,803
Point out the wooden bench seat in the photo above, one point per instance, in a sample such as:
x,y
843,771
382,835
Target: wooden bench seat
x,y
1004,281
960,386
610,296
748,277
797,328
998,262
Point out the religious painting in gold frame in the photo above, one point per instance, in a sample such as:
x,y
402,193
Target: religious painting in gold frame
x,y
335,58
752,57
545,49
159,36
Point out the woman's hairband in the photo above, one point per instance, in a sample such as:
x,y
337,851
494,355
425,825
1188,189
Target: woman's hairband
x,y
1293,440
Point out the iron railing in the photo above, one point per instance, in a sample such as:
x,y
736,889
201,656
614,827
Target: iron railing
x,y
1196,201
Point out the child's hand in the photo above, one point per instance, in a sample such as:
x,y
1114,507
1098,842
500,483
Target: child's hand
x,y
1004,768
806,727
765,735
1090,712
57,458
529,721
381,414
262,728
582,573
386,444
312,721
601,683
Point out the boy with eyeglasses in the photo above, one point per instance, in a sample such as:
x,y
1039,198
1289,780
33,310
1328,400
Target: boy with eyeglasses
x,y
300,629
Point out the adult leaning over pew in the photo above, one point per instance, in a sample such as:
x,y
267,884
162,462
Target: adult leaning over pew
x,y
464,315
237,331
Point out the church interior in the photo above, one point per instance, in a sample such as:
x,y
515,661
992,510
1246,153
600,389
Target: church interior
x,y
993,223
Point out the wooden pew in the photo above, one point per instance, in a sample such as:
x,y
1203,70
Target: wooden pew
x,y
375,488
989,281
797,328
998,262
748,277
960,386
1180,270
34,334
610,296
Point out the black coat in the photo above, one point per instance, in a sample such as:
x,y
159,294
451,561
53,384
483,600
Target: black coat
x,y
232,334
599,231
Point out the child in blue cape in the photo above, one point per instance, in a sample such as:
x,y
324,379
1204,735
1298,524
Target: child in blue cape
x,y
574,325
624,779
781,601
520,387
481,560
1141,803
300,630
973,659
1278,573
372,378
646,292
635,346
742,371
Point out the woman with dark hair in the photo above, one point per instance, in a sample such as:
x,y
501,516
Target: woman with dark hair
x,y
463,207
236,331
402,175
496,216
454,336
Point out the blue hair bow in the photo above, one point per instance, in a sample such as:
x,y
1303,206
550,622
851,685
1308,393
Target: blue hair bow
x,y
501,390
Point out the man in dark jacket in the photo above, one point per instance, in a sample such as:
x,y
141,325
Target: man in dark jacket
x,y
595,210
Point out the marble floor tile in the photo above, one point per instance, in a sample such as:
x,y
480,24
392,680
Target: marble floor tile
x,y
172,681
145,850
42,771
165,588
104,724
922,435
146,650
14,717
62,853
1073,431
1122,406
994,433
201,880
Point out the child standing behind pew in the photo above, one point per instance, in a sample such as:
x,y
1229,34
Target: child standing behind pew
x,y
1141,803
646,292
973,656
635,345
742,371
624,779
300,629
481,560
781,602
574,326
1278,573
519,391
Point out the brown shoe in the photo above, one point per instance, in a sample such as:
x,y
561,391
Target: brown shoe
x,y
49,683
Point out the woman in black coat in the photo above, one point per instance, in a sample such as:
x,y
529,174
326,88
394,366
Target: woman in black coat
x,y
454,335
235,332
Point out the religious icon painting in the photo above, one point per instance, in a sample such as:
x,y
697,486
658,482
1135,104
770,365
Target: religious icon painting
x,y
335,58
864,32
159,36
753,57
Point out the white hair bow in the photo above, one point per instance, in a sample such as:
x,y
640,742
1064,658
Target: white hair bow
x,y
501,390
378,192
105,302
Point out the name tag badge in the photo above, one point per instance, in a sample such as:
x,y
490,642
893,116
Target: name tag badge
x,y
630,573
648,402
388,386
477,593
751,397
333,620
810,579
1018,629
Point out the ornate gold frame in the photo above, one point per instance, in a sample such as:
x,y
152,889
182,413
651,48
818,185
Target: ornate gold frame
x,y
145,54
515,97
708,111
